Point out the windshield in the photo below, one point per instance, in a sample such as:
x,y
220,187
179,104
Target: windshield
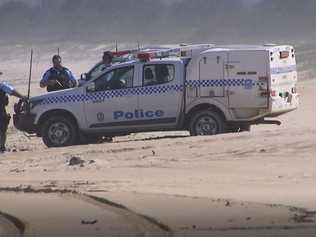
x,y
96,71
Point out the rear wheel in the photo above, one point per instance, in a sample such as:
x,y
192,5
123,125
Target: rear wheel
x,y
206,123
59,131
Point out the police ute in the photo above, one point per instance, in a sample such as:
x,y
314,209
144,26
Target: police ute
x,y
204,89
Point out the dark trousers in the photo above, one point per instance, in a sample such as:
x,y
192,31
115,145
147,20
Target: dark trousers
x,y
4,122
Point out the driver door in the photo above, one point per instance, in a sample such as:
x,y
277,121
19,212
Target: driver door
x,y
110,94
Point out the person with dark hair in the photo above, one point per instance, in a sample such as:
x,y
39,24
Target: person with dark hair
x,y
97,70
107,58
5,90
58,77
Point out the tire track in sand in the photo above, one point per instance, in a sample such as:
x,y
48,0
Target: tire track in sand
x,y
63,213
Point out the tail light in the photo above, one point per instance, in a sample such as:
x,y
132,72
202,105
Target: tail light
x,y
273,93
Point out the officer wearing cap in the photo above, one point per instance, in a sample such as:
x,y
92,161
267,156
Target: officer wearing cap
x,y
58,77
5,90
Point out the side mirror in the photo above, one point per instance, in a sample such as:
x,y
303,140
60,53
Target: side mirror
x,y
91,87
84,76
1,73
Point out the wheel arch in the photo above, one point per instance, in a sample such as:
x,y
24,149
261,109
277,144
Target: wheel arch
x,y
55,112
200,107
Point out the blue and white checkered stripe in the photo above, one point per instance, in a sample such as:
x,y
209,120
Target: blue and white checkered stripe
x,y
150,90
246,83
97,96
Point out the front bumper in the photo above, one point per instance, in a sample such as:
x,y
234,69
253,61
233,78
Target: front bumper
x,y
25,122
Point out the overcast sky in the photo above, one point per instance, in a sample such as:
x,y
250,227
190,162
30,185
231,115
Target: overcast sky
x,y
27,1
187,21
36,1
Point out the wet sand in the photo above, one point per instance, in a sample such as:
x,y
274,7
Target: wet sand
x,y
7,227
197,216
70,215
101,214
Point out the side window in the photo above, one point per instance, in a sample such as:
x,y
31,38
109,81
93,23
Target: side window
x,y
120,78
157,74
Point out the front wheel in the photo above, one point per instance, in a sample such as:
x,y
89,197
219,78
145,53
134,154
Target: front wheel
x,y
206,123
59,131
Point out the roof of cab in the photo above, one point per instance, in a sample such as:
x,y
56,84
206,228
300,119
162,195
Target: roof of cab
x,y
244,47
154,60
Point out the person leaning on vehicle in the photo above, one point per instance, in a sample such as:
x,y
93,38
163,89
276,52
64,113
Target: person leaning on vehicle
x,y
5,90
58,77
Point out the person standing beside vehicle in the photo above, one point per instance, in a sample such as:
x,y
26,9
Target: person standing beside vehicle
x,y
58,77
5,90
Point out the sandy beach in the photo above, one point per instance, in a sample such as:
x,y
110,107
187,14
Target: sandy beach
x,y
170,184
160,184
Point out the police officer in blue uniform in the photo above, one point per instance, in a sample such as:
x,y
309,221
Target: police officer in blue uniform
x,y
5,90
58,77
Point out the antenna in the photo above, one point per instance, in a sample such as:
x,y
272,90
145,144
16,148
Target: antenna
x,y
58,51
116,46
30,75
138,45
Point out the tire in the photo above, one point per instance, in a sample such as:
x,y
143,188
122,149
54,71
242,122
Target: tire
x,y
207,123
59,131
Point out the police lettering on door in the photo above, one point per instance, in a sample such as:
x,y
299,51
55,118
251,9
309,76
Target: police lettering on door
x,y
138,114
